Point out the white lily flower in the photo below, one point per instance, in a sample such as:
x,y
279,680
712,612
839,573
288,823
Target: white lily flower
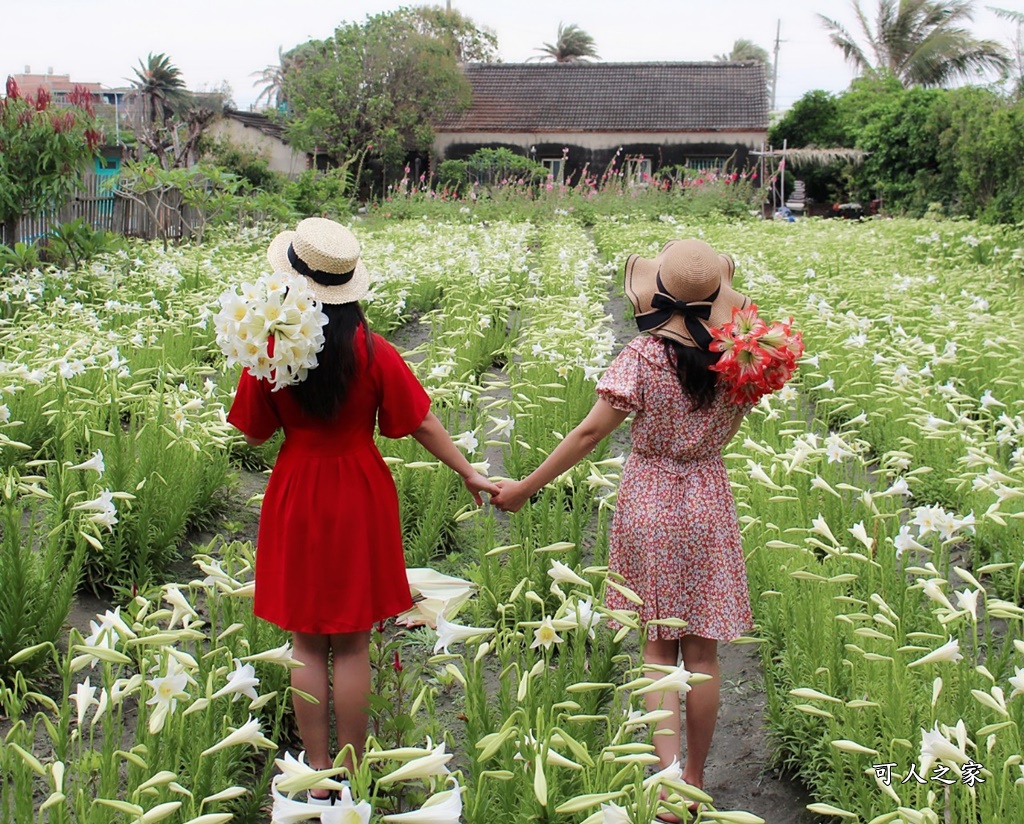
x,y
426,766
181,608
673,772
95,463
858,532
84,697
441,808
449,633
288,810
948,652
678,680
281,656
545,635
561,574
249,733
297,775
345,811
242,681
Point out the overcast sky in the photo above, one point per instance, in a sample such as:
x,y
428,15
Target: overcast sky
x,y
228,40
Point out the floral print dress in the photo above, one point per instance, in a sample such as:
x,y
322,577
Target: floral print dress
x,y
675,537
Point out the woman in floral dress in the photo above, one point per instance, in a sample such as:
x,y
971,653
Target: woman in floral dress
x,y
675,537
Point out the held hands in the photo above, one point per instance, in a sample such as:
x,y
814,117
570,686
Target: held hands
x,y
477,483
511,496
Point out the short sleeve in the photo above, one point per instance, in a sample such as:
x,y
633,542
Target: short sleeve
x,y
404,403
252,410
620,386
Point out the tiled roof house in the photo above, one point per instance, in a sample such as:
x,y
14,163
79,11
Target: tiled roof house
x,y
654,114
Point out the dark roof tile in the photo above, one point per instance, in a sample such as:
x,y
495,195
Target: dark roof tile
x,y
648,97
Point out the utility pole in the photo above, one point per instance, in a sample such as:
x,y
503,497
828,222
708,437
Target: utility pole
x,y
775,62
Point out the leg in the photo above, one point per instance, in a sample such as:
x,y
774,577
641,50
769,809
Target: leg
x,y
313,719
700,655
351,688
664,652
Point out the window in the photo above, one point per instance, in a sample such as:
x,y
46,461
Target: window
x,y
555,167
638,171
703,164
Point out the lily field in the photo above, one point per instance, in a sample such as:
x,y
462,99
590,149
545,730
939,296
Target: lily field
x,y
880,494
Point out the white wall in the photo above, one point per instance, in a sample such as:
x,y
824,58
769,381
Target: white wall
x,y
279,156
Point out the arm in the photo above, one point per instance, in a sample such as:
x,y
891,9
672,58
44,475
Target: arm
x,y
600,422
249,439
433,437
737,422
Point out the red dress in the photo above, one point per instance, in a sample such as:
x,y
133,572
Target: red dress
x,y
675,537
329,552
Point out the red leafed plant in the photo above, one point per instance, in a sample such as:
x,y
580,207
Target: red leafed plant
x,y
757,358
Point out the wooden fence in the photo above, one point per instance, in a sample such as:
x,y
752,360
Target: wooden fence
x,y
100,204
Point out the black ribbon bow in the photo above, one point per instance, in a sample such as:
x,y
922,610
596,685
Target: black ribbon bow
x,y
323,278
664,305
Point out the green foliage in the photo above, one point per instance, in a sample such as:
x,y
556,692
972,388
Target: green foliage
x,y
37,578
76,242
959,149
244,163
22,257
42,152
923,43
374,86
327,193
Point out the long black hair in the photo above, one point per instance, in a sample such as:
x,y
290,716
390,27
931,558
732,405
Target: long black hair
x,y
325,388
691,364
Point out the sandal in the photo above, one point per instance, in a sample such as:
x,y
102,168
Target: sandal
x,y
328,800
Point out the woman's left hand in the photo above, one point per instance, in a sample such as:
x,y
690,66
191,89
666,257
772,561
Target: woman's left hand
x,y
477,483
511,496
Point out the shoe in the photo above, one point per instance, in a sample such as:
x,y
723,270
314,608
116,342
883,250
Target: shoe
x,y
328,801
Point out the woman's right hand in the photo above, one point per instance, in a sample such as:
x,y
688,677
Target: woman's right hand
x,y
477,483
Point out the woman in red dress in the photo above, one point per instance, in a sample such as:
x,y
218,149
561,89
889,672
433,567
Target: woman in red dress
x,y
675,537
329,561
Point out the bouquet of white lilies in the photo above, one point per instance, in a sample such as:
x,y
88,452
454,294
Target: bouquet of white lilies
x,y
274,328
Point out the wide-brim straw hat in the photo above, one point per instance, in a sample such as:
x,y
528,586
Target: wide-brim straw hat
x,y
683,291
327,255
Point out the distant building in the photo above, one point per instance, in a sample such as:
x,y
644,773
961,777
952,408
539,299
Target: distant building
x,y
258,133
118,108
648,115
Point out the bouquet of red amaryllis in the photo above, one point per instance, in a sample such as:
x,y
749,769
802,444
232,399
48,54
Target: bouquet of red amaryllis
x,y
757,358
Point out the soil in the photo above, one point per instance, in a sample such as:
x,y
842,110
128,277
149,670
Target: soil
x,y
739,774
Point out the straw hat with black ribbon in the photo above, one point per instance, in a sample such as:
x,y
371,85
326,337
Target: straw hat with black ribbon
x,y
682,292
327,255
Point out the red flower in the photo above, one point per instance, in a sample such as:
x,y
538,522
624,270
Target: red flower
x,y
756,358
12,88
42,98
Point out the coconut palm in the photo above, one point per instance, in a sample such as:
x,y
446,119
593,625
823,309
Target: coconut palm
x,y
745,51
162,88
271,79
572,46
920,41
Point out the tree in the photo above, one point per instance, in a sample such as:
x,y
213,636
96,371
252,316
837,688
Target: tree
x,y
469,44
573,45
746,51
42,151
172,119
162,88
376,87
1016,47
918,41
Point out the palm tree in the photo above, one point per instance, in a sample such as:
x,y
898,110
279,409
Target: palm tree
x,y
572,46
1016,44
919,41
745,51
162,88
272,80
